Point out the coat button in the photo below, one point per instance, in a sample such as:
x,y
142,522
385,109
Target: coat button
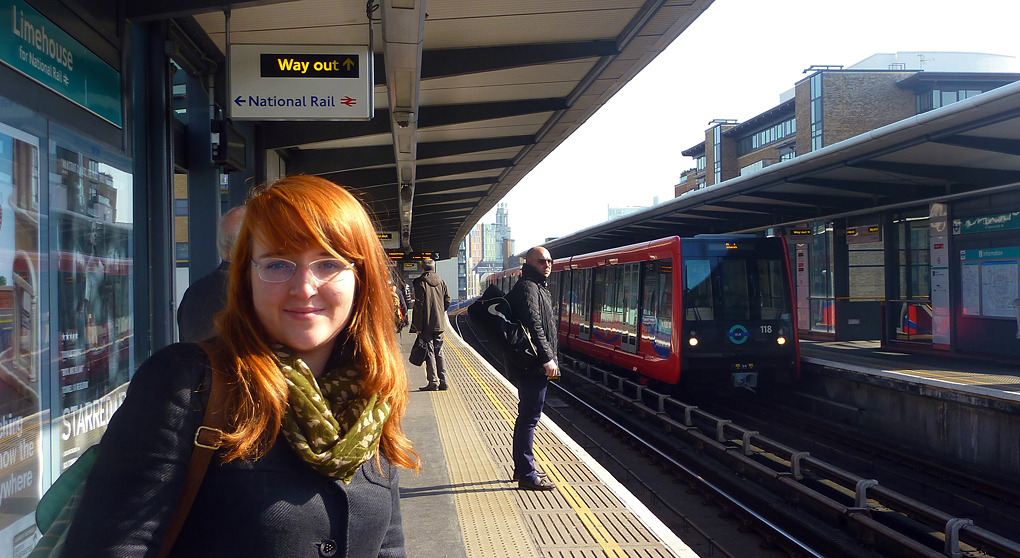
x,y
327,547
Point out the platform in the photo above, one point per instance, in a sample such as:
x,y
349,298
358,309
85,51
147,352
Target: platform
x,y
463,503
949,372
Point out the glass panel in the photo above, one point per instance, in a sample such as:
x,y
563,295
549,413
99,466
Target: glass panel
x,y
630,297
698,295
735,296
770,282
598,300
24,309
91,215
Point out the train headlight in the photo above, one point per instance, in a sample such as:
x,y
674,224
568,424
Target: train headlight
x,y
693,340
781,340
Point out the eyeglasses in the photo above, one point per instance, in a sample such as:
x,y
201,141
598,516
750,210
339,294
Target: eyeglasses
x,y
279,270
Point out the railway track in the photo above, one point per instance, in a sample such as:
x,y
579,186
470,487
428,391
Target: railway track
x,y
794,500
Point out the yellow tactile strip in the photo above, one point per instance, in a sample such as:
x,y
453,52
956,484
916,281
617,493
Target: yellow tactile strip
x,y
581,518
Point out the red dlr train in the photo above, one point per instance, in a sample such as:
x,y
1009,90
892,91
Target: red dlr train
x,y
709,311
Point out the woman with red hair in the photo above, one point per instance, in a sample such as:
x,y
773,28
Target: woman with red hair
x,y
314,394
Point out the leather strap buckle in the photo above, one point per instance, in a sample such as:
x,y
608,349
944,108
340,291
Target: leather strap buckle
x,y
211,439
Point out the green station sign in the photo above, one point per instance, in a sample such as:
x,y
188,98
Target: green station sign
x,y
34,46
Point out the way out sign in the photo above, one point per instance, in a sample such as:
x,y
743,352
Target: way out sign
x,y
300,82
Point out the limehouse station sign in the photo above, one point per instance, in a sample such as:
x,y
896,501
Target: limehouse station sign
x,y
300,82
37,48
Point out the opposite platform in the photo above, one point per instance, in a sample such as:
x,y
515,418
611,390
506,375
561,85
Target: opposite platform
x,y
463,503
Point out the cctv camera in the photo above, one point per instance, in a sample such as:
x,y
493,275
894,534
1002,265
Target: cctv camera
x,y
403,118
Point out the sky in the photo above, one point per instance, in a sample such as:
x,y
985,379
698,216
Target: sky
x,y
733,62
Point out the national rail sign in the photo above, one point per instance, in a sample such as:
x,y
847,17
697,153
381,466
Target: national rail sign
x,y
300,82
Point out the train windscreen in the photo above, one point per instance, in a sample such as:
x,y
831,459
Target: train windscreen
x,y
735,288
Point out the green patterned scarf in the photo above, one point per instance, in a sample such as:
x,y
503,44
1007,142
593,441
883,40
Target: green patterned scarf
x,y
328,423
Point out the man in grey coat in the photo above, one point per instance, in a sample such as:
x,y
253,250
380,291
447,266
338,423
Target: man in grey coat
x,y
431,299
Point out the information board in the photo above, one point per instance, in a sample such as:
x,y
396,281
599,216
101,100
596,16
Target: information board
x,y
989,282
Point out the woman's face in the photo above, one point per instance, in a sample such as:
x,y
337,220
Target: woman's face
x,y
303,313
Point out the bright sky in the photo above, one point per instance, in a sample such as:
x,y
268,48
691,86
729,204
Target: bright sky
x,y
733,62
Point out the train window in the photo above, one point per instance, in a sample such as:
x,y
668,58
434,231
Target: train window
x,y
665,313
650,292
554,292
770,284
598,299
698,296
736,300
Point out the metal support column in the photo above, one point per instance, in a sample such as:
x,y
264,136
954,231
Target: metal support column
x,y
150,119
203,182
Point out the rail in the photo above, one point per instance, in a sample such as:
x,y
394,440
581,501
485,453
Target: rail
x,y
738,446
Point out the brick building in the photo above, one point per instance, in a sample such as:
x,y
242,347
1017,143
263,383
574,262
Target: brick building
x,y
833,103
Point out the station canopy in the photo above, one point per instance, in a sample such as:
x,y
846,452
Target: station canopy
x,y
470,95
968,148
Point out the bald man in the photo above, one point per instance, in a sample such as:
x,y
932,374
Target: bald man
x,y
207,296
532,305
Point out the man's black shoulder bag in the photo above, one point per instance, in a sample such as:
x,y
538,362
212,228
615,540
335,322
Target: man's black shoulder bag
x,y
492,312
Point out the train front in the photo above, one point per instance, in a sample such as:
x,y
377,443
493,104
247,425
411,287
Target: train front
x,y
737,312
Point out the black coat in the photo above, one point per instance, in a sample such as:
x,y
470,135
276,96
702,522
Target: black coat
x,y
202,301
275,507
531,303
431,299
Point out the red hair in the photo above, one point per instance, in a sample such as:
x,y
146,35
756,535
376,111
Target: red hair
x,y
294,214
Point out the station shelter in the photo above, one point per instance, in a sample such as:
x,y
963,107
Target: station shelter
x,y
908,234
126,131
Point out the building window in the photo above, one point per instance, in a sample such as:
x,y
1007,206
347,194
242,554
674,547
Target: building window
x,y
937,98
769,135
701,182
701,163
717,154
816,112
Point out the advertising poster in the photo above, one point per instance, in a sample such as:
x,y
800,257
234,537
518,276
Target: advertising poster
x,y
93,265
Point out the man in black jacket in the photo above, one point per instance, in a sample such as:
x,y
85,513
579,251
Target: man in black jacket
x,y
431,299
207,296
531,303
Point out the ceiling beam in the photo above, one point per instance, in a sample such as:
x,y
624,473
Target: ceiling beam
x,y
137,12
326,161
434,186
433,208
446,198
885,189
995,145
279,135
451,169
812,200
438,149
961,175
461,61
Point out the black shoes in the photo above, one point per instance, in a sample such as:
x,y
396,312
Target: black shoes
x,y
541,484
435,387
539,474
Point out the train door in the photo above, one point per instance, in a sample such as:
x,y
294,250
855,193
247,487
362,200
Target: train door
x,y
631,284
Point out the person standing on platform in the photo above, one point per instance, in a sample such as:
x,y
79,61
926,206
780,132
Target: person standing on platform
x,y
531,303
207,296
313,399
428,318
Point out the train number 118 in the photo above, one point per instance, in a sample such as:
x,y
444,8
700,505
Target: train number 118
x,y
766,329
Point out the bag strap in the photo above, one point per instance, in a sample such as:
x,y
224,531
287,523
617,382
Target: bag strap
x,y
207,441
